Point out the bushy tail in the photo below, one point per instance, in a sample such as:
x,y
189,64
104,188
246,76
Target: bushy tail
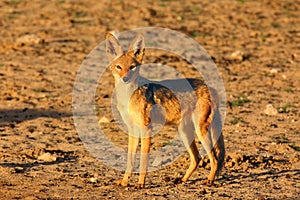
x,y
220,151
218,141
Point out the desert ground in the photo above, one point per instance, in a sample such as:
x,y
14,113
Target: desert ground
x,y
254,43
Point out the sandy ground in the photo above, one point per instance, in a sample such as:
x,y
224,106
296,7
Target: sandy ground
x,y
255,44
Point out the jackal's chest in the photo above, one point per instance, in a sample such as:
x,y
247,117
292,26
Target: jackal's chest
x,y
123,95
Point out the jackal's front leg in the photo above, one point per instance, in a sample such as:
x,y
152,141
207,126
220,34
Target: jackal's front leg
x,y
145,148
133,142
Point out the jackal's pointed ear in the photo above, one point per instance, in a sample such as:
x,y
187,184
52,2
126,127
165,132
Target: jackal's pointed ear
x,y
113,47
137,48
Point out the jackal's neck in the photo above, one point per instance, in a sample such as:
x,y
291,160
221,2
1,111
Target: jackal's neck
x,y
125,90
122,87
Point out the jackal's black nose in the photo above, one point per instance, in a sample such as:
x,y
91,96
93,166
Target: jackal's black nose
x,y
125,79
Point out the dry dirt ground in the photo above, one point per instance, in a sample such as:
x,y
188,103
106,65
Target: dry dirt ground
x,y
255,44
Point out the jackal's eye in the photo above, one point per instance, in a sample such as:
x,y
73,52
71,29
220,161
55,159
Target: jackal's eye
x,y
118,67
132,67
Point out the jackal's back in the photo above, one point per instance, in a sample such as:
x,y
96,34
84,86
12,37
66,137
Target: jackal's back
x,y
174,97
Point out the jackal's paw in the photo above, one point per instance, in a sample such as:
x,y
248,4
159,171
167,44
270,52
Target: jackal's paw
x,y
177,180
122,183
139,185
208,183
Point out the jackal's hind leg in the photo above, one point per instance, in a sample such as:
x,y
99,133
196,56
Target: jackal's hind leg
x,y
202,125
186,131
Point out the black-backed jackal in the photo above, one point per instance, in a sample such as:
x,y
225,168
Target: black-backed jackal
x,y
134,102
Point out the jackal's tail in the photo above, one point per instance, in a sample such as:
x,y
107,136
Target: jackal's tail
x,y
218,141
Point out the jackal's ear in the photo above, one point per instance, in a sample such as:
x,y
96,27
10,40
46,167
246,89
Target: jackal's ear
x,y
113,47
137,48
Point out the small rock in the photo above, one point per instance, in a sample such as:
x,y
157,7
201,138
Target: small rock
x,y
158,161
47,157
274,71
296,57
284,76
237,56
270,162
19,169
270,110
104,120
93,180
29,39
274,125
179,18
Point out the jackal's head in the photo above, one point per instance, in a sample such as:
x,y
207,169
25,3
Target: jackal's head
x,y
125,66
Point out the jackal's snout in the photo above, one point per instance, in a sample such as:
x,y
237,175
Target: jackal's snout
x,y
125,79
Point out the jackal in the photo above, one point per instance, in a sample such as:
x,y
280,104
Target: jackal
x,y
135,101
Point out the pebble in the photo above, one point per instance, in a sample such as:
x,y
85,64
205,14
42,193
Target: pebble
x,y
157,162
19,169
93,180
274,125
270,110
47,157
284,76
29,39
104,120
274,71
237,56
